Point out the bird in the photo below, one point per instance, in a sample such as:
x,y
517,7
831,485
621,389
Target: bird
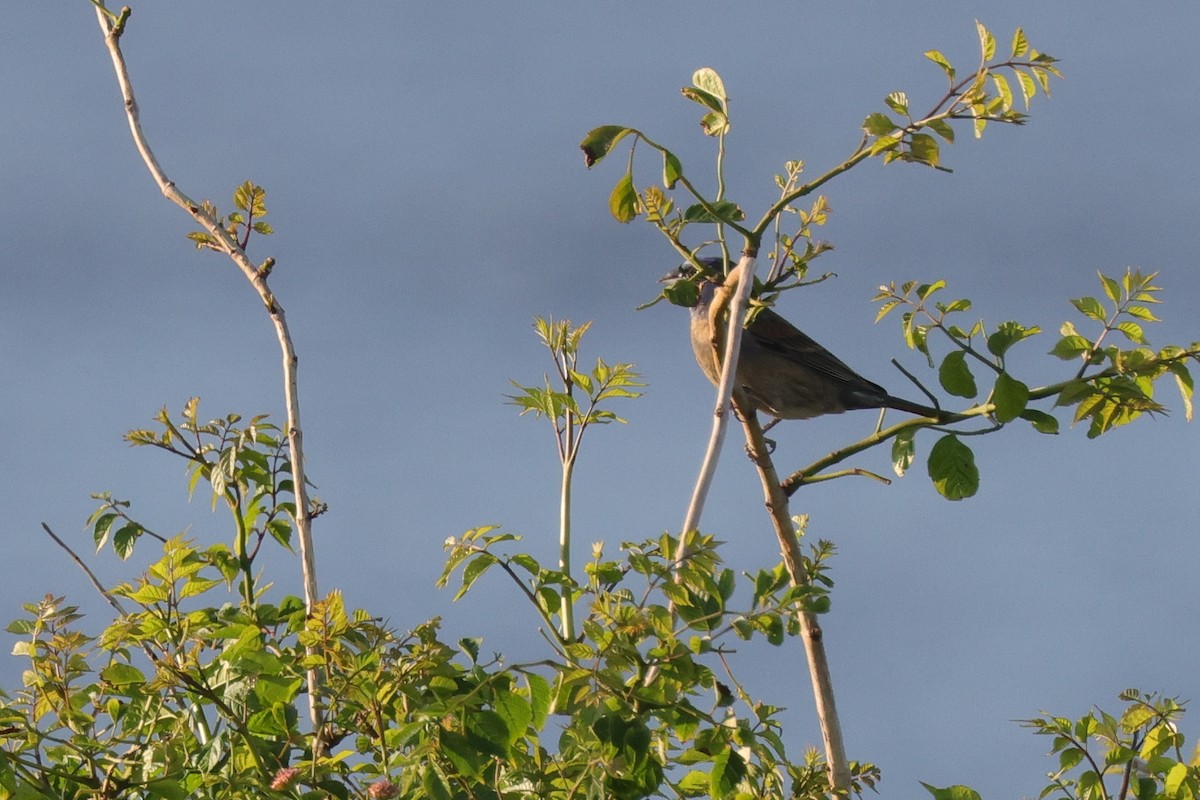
x,y
784,372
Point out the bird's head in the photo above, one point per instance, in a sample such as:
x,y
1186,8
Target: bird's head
x,y
688,287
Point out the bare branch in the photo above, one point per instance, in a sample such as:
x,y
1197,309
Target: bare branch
x,y
258,279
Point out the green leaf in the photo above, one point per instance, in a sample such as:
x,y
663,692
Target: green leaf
x,y
942,129
672,169
1133,332
952,792
516,713
599,141
708,80
1007,334
1071,347
150,594
1112,288
1142,313
623,201
1020,45
936,57
987,42
704,98
1003,90
1028,86
728,769
434,784
539,699
879,124
1183,379
903,451
119,674
1090,307
1041,421
488,732
726,211
168,789
1177,776
925,149
1010,396
714,123
955,376
125,538
898,102
952,468
476,567
100,531
461,752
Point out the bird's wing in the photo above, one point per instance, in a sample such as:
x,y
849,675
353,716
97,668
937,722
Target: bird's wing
x,y
774,333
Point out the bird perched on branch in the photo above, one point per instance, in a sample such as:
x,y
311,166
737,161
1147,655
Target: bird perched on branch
x,y
784,372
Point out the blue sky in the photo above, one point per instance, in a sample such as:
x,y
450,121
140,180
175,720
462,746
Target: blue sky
x,y
429,198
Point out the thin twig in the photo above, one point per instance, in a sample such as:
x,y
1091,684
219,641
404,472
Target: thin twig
x,y
99,587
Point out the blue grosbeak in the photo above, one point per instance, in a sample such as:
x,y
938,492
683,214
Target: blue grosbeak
x,y
783,371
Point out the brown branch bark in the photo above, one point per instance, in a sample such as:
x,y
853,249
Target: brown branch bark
x,y
837,765
258,280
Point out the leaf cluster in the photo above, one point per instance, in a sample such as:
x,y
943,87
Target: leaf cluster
x,y
650,698
250,201
1113,386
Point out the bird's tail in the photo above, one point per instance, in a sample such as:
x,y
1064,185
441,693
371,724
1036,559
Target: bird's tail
x,y
922,411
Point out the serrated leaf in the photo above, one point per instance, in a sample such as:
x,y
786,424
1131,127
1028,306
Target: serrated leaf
x,y
936,57
878,124
599,141
1003,90
1028,86
623,201
898,102
955,376
1069,347
1010,397
1133,332
942,129
952,468
1142,313
1112,288
1020,45
120,674
987,42
1089,307
884,309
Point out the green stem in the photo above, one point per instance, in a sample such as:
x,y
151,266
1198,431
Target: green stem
x,y
564,547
